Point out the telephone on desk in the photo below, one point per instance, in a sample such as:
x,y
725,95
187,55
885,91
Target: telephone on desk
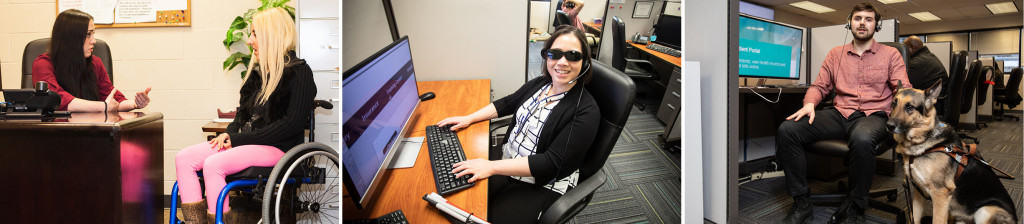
x,y
31,103
640,39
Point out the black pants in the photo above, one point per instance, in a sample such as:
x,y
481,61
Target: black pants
x,y
863,134
514,201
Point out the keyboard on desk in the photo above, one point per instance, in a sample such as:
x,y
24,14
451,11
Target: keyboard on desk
x,y
664,49
445,150
396,217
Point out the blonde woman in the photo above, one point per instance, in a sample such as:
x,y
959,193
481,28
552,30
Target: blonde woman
x,y
274,105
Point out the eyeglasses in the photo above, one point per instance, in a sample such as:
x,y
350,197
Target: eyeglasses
x,y
570,5
555,54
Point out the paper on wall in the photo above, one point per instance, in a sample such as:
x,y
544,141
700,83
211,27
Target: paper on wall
x,y
102,11
135,11
161,5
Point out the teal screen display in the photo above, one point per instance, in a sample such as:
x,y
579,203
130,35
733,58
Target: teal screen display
x,y
769,50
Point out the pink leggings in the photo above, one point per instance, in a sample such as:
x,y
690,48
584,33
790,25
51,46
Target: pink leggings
x,y
215,166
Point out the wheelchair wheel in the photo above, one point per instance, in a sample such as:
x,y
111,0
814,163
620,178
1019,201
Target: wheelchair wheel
x,y
304,186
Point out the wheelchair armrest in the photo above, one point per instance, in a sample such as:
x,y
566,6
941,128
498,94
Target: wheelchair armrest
x,y
572,202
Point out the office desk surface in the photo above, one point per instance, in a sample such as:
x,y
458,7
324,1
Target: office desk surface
x,y
593,27
678,61
404,188
90,168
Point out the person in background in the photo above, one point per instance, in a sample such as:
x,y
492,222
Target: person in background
x,y
573,8
924,68
71,71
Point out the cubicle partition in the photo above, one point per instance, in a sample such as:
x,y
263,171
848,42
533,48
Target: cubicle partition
x,y
943,51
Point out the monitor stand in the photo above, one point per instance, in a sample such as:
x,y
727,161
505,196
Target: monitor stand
x,y
406,153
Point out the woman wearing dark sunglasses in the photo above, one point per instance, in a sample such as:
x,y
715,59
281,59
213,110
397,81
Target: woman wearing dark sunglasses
x,y
555,120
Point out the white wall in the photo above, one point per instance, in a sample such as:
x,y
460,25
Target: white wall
x,y
709,46
365,31
593,9
941,50
539,15
467,39
625,13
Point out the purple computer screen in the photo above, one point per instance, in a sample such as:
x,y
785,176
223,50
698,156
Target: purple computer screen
x,y
377,100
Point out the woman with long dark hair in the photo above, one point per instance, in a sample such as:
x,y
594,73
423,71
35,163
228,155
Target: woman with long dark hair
x,y
75,74
538,162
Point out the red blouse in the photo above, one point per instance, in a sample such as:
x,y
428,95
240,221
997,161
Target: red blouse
x,y
42,70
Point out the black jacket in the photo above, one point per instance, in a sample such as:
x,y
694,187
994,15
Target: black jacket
x,y
557,157
281,121
924,69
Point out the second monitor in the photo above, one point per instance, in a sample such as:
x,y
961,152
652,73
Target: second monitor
x,y
769,49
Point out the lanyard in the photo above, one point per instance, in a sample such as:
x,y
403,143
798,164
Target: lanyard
x,y
534,106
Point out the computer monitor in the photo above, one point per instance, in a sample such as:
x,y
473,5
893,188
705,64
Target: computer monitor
x,y
769,49
667,31
379,96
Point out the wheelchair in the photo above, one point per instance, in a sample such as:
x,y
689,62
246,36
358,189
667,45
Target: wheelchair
x,y
301,188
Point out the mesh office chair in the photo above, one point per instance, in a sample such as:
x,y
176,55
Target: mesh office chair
x,y
987,74
839,149
974,76
39,46
1008,96
614,93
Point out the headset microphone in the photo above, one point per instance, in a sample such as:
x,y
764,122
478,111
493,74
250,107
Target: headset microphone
x,y
584,72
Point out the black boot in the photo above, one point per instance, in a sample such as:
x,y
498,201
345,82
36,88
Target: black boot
x,y
849,213
801,212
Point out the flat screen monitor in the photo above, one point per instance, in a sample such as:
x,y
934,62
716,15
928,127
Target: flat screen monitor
x,y
667,30
769,49
379,96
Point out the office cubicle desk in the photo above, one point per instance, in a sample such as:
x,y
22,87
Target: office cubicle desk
x,y
760,119
404,188
593,28
669,81
87,168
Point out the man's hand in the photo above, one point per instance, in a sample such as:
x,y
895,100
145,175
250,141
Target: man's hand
x,y
807,110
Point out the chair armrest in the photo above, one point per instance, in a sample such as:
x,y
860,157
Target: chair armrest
x,y
638,61
500,122
572,202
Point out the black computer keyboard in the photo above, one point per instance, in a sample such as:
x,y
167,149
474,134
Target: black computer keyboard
x,y
445,150
395,217
664,49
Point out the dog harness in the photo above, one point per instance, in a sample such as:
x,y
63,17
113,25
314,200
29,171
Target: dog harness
x,y
959,153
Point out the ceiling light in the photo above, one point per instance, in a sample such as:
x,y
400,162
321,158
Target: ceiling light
x,y
891,1
811,6
925,16
1002,7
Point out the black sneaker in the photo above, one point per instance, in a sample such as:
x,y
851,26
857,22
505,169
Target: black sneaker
x,y
800,213
848,212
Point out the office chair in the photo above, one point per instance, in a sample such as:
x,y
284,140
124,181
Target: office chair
x,y
39,46
614,93
1008,96
561,18
969,102
838,149
987,74
955,104
640,70
258,183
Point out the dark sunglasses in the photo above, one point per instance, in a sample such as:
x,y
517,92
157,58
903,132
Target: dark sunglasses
x,y
555,54
570,5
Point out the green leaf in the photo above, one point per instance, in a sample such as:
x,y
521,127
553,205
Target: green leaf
x,y
243,73
239,23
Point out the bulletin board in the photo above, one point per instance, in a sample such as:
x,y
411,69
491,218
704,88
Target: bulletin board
x,y
133,13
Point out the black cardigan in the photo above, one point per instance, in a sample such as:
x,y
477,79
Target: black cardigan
x,y
555,159
283,118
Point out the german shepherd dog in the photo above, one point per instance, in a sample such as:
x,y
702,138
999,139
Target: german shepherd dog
x,y
961,186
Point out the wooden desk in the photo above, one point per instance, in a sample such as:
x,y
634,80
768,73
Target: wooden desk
x,y
84,169
404,188
678,61
593,28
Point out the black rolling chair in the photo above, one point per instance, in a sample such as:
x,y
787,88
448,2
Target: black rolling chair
x,y
838,149
561,18
1008,96
640,70
39,46
969,101
960,81
614,93
987,74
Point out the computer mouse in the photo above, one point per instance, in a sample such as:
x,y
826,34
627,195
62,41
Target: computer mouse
x,y
427,96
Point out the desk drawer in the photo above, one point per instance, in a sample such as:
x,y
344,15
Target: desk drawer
x,y
670,102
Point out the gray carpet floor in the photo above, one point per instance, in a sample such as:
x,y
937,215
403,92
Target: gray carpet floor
x,y
643,184
766,200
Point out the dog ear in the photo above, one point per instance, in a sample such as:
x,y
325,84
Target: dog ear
x,y
932,93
